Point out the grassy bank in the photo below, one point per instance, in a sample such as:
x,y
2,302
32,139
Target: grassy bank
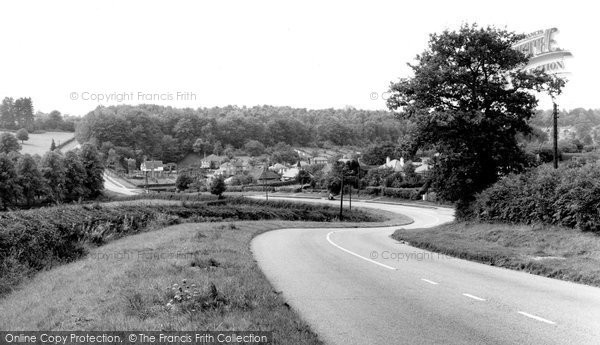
x,y
549,251
39,239
130,284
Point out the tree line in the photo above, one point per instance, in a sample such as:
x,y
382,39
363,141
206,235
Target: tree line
x,y
169,134
15,114
18,114
30,180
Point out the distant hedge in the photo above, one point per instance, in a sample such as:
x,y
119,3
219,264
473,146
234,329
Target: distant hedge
x,y
400,193
569,196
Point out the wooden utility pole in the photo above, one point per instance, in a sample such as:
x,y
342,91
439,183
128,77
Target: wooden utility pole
x,y
350,197
555,139
342,199
266,191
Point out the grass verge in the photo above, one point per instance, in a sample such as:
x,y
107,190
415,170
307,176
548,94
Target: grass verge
x,y
130,284
548,251
34,240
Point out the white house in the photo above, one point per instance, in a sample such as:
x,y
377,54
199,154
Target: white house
x,y
395,164
290,174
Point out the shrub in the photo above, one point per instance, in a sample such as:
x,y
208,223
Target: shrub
x,y
290,189
401,193
183,181
373,190
217,186
569,196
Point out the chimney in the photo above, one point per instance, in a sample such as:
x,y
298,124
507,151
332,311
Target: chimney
x,y
401,161
387,160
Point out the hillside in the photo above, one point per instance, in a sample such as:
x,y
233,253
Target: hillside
x,y
40,143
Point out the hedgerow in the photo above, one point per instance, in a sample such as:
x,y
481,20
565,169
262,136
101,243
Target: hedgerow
x,y
39,239
569,196
401,193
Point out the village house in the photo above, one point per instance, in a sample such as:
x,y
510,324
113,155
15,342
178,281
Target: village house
x,y
279,168
233,168
152,166
394,164
319,160
398,165
212,161
266,176
290,174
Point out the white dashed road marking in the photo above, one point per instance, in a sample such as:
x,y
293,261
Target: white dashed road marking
x,y
357,255
537,318
473,297
429,281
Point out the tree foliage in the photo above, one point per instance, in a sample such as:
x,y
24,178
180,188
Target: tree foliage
x,y
53,171
468,100
235,126
30,179
27,180
22,135
183,181
94,177
10,190
75,177
217,186
254,148
8,143
284,153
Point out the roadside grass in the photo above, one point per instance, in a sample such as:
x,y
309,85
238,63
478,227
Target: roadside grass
x,y
548,251
36,240
40,143
129,284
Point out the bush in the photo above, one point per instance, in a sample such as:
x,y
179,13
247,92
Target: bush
x,y
569,196
373,190
290,189
183,181
217,186
401,193
394,180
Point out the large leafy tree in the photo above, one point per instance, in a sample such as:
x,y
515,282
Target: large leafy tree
x,y
8,143
75,176
468,99
30,179
7,113
53,171
254,148
9,187
23,112
94,169
22,135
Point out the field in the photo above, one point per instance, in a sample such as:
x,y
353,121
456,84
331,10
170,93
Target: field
x,y
549,251
40,143
222,288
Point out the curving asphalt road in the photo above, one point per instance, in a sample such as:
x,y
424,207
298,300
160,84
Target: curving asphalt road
x,y
115,186
359,286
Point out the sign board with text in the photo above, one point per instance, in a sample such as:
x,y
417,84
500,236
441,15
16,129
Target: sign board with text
x,y
540,47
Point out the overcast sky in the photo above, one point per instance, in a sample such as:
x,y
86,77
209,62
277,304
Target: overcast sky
x,y
312,54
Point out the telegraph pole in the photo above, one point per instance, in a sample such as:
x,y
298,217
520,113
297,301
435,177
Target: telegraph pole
x,y
342,198
555,139
350,197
